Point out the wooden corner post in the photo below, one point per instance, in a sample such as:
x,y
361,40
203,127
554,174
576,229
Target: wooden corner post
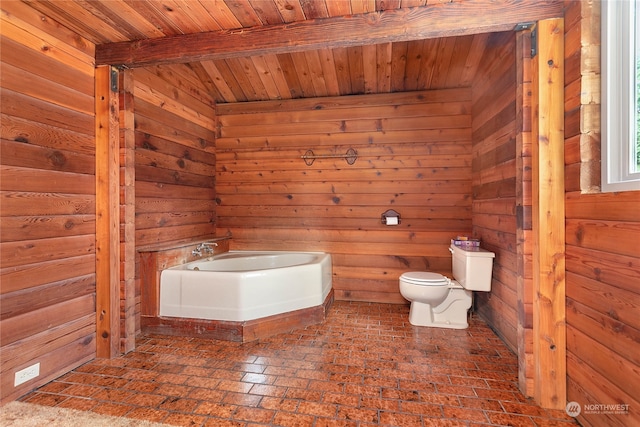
x,y
549,319
107,214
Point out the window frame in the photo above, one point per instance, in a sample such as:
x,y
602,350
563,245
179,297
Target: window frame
x,y
618,101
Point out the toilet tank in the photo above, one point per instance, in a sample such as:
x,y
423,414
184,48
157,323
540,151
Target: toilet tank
x,y
472,267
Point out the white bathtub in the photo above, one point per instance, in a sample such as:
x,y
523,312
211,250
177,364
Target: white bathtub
x,y
245,285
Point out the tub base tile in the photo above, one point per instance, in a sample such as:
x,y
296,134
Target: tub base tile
x,y
249,330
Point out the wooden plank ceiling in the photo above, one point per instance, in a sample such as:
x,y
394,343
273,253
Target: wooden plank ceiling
x,y
337,69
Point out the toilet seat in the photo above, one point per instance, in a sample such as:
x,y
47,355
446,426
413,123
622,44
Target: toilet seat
x,y
424,278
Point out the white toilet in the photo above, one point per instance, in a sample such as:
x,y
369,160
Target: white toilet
x,y
440,302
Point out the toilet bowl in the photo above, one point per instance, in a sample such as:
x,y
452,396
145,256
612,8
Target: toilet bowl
x,y
438,301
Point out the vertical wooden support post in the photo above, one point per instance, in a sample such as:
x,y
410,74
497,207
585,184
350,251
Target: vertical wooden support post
x,y
549,323
107,214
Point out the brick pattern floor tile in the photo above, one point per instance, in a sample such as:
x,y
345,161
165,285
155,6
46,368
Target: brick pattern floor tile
x,y
364,366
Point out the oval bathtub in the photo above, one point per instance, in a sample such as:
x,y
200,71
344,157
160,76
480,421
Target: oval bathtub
x,y
245,285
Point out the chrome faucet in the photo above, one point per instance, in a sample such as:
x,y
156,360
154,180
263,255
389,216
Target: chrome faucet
x,y
203,247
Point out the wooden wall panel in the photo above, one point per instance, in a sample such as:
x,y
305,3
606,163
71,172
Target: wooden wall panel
x,y
413,156
174,157
168,194
47,206
602,257
495,191
524,212
129,295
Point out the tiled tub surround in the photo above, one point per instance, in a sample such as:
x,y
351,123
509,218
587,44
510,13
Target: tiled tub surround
x,y
364,366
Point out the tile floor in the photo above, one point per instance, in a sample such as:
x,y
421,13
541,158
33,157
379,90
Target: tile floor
x,y
365,366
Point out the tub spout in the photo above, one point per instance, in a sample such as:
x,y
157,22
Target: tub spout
x,y
207,246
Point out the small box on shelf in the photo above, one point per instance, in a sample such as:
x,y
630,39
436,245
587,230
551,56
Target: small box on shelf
x,y
465,241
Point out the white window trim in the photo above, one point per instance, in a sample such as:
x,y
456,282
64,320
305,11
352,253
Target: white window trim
x,y
618,95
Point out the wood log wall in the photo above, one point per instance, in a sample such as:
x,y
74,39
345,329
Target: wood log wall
x,y
494,183
174,162
174,156
130,298
524,219
47,184
602,252
502,194
414,156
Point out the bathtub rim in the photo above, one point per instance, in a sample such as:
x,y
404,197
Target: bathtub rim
x,y
235,254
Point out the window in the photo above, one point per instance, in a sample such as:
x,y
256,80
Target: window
x,y
620,95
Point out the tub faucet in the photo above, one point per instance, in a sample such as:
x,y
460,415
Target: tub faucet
x,y
203,247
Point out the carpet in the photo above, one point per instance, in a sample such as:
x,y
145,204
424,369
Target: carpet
x,y
20,414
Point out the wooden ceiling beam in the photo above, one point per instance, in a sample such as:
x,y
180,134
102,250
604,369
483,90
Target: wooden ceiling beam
x,y
417,23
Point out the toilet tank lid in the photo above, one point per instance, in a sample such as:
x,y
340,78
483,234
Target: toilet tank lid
x,y
473,251
426,277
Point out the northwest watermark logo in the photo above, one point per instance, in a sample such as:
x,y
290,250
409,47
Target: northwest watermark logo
x,y
573,409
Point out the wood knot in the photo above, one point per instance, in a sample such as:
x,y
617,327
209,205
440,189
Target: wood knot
x,y
57,159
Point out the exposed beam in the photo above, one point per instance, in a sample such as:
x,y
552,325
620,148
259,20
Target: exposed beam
x,y
425,22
